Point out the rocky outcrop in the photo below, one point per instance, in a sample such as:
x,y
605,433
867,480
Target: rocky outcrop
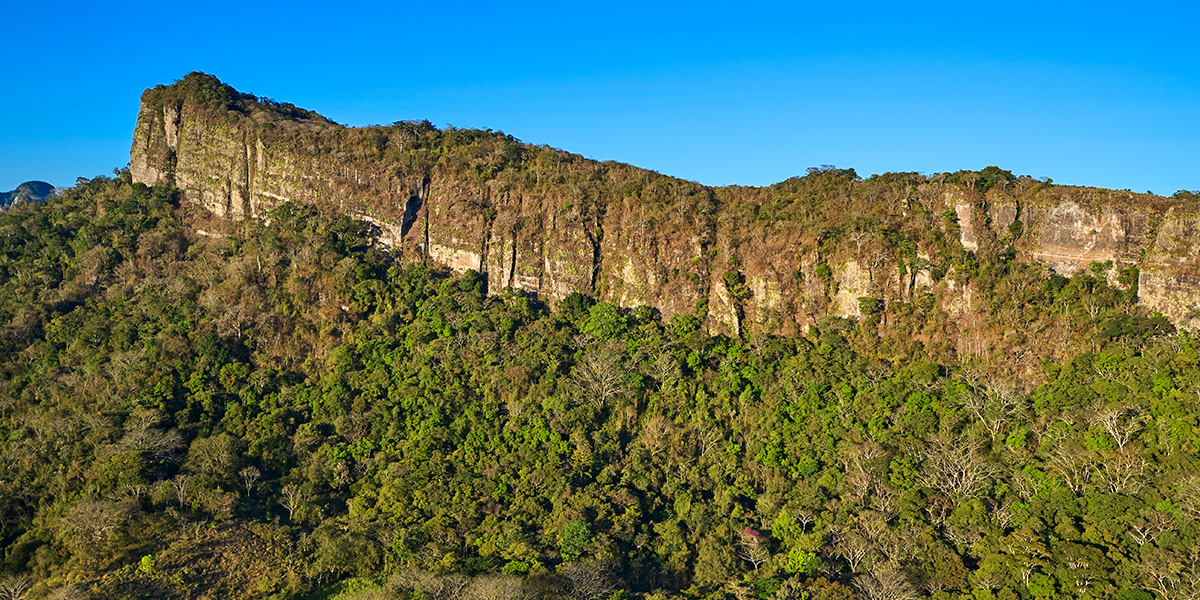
x,y
1071,229
558,223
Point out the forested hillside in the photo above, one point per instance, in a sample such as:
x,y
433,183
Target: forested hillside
x,y
278,408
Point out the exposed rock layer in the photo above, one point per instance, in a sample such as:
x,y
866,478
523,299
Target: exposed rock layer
x,y
671,244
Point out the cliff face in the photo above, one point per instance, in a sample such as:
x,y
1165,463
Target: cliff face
x,y
1071,229
549,223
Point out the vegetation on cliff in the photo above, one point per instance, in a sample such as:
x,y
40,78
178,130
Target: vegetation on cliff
x,y
193,408
774,259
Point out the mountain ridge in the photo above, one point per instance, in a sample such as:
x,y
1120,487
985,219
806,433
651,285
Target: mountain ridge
x,y
551,223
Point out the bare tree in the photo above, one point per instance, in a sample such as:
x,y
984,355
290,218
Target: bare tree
x,y
994,405
144,438
600,376
653,434
589,579
709,438
291,498
859,483
67,592
665,368
805,518
14,587
954,466
132,489
96,520
496,587
182,486
1120,422
249,475
1122,471
436,587
1072,466
852,548
1188,496
752,548
885,583
1150,526
1174,577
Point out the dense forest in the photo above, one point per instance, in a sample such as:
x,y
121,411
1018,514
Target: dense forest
x,y
192,408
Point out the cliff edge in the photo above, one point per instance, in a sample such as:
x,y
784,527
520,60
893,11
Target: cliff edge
x,y
548,222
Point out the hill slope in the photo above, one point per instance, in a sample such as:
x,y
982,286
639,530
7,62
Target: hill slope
x,y
297,406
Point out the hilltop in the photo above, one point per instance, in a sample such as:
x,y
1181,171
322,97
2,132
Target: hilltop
x,y
30,191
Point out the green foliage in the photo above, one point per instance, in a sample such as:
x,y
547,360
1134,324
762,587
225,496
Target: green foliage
x,y
574,538
824,273
343,417
802,562
988,178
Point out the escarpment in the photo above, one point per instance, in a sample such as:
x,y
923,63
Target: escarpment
x,y
778,258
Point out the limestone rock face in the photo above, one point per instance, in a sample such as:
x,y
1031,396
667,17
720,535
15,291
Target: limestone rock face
x,y
646,239
1077,228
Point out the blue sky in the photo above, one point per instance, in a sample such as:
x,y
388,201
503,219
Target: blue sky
x,y
1104,94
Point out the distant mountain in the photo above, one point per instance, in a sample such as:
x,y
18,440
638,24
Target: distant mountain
x,y
30,191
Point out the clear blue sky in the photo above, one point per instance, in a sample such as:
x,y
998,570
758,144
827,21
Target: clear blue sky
x,y
1095,93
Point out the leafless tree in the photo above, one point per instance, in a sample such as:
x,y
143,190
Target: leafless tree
x,y
14,587
708,437
132,490
1001,513
1174,577
884,501
432,585
1122,470
885,583
66,592
291,498
159,444
938,508
1072,466
214,455
665,368
852,548
1120,422
249,476
994,404
496,587
961,536
1188,496
600,377
954,466
653,434
182,486
589,579
1150,526
858,484
752,548
96,520
805,518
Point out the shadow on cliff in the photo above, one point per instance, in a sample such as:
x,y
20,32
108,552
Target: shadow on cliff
x,y
411,208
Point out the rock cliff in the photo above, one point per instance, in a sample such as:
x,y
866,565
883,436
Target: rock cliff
x,y
549,223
